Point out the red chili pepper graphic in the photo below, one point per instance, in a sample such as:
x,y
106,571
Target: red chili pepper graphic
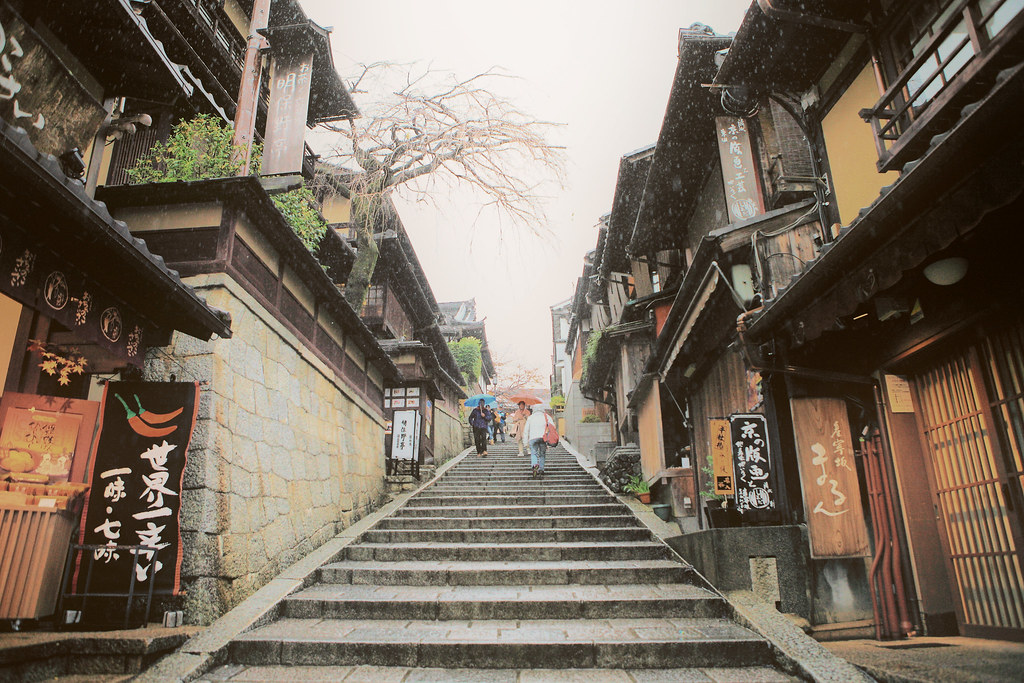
x,y
140,427
151,418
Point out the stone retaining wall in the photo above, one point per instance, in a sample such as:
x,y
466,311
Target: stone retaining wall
x,y
283,456
447,435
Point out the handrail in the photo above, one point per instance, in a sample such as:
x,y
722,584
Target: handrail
x,y
910,69
900,118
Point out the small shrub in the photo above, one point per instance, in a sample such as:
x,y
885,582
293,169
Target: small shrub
x,y
203,148
591,418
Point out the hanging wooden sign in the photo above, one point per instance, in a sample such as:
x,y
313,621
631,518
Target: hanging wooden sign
x,y
739,170
290,75
752,462
828,477
721,457
135,498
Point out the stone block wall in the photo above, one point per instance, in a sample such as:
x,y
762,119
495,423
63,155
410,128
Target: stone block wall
x,y
447,435
283,456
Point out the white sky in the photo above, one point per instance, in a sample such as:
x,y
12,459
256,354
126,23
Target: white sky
x,y
604,69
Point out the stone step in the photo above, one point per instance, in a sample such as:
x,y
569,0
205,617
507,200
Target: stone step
x,y
521,489
426,499
345,601
505,536
606,508
517,478
379,674
549,643
505,573
536,522
514,552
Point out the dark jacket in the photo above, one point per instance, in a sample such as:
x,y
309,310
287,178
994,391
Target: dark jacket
x,y
480,420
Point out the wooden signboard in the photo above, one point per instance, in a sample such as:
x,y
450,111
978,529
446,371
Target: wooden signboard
x,y
828,477
721,457
286,121
739,170
752,462
39,94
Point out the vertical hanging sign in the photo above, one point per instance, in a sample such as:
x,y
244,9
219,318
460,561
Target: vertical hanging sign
x,y
286,118
405,434
739,170
752,463
721,458
135,497
828,477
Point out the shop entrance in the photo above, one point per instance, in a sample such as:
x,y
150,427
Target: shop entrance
x,y
971,414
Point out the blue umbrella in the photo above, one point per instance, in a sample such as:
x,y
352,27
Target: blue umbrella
x,y
475,399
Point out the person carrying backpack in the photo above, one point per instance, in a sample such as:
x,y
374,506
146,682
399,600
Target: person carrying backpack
x,y
540,432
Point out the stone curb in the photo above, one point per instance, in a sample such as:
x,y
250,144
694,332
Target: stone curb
x,y
208,649
795,651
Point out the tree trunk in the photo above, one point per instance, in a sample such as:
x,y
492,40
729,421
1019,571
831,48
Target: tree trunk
x,y
364,216
359,278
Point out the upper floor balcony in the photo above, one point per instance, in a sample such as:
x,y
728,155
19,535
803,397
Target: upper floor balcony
x,y
938,56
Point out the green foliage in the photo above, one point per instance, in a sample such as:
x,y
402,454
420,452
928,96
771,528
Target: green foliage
x,y
199,148
637,485
299,208
557,402
589,418
203,148
590,354
708,492
468,357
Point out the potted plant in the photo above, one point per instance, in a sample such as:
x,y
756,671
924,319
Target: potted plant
x,y
639,488
719,511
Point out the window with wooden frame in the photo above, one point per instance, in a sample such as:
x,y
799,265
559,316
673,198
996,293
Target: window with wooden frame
x,y
929,51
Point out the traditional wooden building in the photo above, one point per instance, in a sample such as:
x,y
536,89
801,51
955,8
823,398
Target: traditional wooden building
x,y
903,328
835,209
458,320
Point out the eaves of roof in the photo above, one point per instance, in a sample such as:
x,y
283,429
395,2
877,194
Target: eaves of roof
x,y
92,230
981,143
787,53
686,146
250,194
633,170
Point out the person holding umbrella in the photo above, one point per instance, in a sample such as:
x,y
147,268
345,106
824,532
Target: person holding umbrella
x,y
518,424
479,419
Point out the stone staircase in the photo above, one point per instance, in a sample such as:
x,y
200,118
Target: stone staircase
x,y
491,575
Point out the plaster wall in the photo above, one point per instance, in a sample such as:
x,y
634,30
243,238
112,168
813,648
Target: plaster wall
x,y
284,454
851,148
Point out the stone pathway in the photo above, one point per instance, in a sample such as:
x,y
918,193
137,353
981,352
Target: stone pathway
x,y
490,575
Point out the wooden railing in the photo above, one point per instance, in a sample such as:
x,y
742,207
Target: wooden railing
x,y
924,94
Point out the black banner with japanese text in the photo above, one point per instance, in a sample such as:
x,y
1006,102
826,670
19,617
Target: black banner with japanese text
x,y
135,497
752,462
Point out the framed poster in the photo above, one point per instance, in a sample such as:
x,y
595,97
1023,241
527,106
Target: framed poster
x,y
828,478
46,435
752,462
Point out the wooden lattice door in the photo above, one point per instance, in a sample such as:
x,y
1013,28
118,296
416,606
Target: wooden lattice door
x,y
970,407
